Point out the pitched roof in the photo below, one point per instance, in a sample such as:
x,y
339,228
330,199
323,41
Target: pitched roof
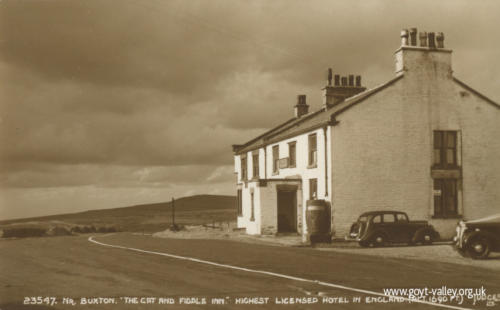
x,y
309,121
475,92
323,117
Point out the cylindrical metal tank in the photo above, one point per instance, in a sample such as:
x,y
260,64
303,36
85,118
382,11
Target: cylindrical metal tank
x,y
318,221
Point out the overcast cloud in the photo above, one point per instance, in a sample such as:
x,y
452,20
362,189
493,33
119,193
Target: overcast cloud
x,y
112,103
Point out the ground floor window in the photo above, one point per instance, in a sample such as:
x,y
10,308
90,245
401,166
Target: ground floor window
x,y
239,202
445,198
252,216
313,188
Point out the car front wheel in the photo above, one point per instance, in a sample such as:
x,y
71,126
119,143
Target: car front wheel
x,y
479,248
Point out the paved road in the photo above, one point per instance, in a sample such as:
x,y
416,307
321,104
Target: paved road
x,y
74,267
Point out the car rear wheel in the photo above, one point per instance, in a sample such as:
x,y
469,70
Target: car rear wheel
x,y
378,240
427,238
479,248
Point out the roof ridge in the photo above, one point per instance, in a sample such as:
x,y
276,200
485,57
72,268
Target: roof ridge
x,y
337,109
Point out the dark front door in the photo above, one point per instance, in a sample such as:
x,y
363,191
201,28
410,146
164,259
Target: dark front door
x,y
287,211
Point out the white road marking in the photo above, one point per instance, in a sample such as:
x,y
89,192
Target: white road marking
x,y
278,275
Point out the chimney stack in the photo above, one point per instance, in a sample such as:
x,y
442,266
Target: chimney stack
x,y
301,108
410,56
344,87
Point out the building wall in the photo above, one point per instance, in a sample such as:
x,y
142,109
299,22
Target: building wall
x,y
381,159
480,126
383,147
253,227
267,201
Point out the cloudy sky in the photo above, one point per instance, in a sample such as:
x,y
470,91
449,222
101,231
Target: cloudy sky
x,y
113,103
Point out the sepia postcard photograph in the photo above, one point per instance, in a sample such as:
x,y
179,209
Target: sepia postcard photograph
x,y
249,154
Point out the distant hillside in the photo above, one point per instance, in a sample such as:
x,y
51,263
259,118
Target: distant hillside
x,y
199,209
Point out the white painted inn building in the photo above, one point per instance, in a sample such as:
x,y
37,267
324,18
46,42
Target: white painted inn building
x,y
424,143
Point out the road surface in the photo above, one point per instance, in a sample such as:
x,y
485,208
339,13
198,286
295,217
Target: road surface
x,y
74,268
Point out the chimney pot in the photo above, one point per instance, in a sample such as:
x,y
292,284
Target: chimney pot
x,y
301,99
404,37
413,36
301,108
358,81
423,38
351,80
440,39
337,80
329,77
344,81
432,43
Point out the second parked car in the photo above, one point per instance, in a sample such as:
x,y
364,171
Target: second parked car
x,y
378,228
478,238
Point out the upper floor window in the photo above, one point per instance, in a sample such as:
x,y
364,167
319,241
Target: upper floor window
x,y
255,165
276,156
292,154
243,168
313,150
445,149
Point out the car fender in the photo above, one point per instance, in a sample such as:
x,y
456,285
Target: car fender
x,y
478,234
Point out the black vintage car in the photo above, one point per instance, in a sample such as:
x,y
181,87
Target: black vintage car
x,y
479,237
378,228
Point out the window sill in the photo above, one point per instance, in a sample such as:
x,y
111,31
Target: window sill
x,y
445,173
312,166
294,166
445,168
445,217
275,173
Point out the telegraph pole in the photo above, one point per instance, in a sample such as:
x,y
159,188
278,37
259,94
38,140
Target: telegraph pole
x,y
173,212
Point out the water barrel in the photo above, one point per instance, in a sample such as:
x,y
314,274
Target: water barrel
x,y
318,221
